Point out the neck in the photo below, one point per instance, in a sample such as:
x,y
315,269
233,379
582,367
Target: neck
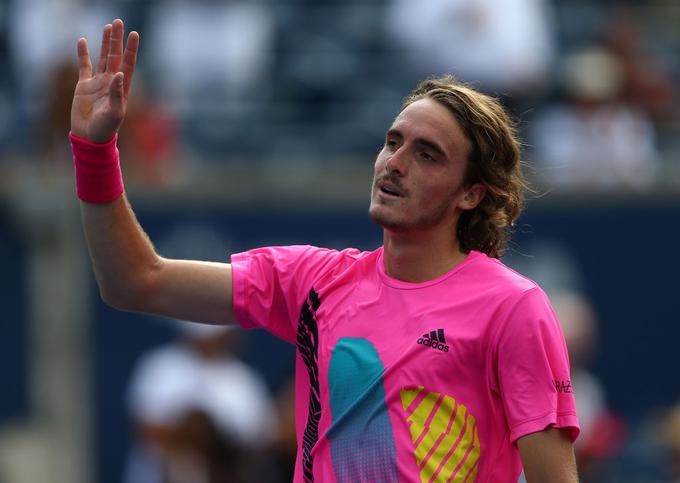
x,y
420,257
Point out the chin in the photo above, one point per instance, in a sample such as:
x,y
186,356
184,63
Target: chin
x,y
376,215
379,217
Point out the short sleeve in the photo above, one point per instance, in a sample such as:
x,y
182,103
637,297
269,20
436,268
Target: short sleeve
x,y
270,285
533,369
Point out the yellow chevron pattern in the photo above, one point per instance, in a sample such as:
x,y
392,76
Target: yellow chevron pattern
x,y
444,435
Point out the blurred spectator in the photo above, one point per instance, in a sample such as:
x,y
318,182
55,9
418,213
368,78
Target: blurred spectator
x,y
672,433
57,115
594,139
149,136
285,447
506,46
149,139
220,51
602,433
39,43
200,414
648,83
215,76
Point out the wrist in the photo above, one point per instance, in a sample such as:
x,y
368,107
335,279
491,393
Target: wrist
x,y
97,168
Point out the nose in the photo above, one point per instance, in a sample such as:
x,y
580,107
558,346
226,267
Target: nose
x,y
397,163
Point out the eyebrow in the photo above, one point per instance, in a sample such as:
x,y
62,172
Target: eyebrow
x,y
420,141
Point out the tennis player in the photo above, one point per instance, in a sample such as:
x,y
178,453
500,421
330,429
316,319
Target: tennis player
x,y
424,360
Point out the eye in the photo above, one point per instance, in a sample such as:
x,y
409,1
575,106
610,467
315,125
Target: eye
x,y
426,156
390,143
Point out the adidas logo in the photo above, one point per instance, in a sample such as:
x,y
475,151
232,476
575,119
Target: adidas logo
x,y
435,339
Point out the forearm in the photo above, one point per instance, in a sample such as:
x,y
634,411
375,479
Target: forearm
x,y
123,258
132,276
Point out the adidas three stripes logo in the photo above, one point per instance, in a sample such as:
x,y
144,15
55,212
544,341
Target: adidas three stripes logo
x,y
434,339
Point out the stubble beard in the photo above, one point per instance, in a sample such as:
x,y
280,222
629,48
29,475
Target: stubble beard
x,y
422,220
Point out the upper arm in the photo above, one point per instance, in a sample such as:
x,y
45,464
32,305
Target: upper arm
x,y
532,369
189,290
548,456
273,286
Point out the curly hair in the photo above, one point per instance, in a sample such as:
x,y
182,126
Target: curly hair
x,y
494,161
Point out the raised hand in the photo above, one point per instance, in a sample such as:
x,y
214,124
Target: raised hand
x,y
100,98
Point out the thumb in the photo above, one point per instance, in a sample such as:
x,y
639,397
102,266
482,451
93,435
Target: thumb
x,y
116,92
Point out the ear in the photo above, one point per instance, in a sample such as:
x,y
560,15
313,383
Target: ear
x,y
472,196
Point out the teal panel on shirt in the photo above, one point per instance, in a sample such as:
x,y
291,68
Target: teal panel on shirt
x,y
362,444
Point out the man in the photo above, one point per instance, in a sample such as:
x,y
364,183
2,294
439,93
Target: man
x,y
425,360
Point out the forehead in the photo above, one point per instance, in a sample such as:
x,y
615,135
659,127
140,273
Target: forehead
x,y
428,119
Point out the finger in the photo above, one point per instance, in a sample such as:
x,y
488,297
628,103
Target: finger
x,y
104,51
129,60
116,92
116,51
84,62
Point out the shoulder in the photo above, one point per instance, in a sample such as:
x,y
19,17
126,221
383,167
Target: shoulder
x,y
302,264
498,277
303,254
519,302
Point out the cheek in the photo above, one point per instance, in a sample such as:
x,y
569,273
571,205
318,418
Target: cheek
x,y
438,196
380,161
378,169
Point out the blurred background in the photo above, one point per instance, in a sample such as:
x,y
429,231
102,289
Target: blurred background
x,y
256,122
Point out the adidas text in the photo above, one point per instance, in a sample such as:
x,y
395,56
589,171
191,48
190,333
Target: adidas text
x,y
433,344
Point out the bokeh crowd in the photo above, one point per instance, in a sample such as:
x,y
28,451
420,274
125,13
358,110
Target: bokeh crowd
x,y
240,104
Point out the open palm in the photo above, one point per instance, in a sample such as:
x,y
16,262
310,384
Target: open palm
x,y
100,98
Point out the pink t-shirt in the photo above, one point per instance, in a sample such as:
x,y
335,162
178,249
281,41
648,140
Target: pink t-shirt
x,y
409,382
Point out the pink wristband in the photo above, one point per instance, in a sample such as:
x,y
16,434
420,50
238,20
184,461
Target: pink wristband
x,y
98,175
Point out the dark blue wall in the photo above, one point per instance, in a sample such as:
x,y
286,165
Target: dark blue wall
x,y
14,397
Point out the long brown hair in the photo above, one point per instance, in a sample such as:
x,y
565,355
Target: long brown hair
x,y
494,161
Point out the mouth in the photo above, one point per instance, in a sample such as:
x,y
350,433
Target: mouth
x,y
390,190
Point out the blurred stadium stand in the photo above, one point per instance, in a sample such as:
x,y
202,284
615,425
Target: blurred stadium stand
x,y
283,155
